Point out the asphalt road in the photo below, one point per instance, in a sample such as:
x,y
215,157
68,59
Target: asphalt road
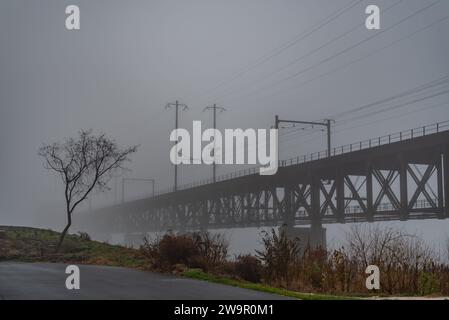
x,y
47,281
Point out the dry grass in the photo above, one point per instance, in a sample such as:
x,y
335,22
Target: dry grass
x,y
407,265
30,245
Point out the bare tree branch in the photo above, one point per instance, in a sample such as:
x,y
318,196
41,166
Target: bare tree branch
x,y
84,164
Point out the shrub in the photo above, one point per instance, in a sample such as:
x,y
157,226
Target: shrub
x,y
84,236
248,267
177,249
196,250
212,250
406,263
279,255
150,250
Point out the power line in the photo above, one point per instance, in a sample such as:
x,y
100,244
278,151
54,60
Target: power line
x,y
308,54
416,33
389,109
338,54
414,90
282,48
342,122
413,93
398,116
372,53
382,48
409,92
401,105
420,88
384,119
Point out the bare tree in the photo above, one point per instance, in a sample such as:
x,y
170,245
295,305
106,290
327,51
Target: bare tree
x,y
84,164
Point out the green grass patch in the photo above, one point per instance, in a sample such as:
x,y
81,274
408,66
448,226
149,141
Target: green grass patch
x,y
38,245
200,275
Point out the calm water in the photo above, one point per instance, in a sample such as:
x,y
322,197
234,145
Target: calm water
x,y
434,232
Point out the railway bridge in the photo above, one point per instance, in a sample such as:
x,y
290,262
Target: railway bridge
x,y
399,176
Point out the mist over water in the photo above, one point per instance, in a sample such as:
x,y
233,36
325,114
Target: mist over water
x,y
127,62
435,233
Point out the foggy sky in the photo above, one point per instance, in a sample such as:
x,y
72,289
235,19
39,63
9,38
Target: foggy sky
x,y
129,59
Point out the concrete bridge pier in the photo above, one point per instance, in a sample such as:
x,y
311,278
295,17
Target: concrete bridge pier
x,y
313,236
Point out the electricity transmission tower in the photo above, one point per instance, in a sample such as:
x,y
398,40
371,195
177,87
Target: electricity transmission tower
x,y
176,106
214,108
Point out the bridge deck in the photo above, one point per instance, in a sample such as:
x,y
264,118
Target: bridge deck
x,y
311,189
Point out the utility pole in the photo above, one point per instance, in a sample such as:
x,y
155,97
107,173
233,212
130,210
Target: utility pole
x,y
315,203
214,108
136,179
176,106
328,127
326,124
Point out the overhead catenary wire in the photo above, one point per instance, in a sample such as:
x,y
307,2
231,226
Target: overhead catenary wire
x,y
446,103
277,51
415,93
308,54
391,44
391,117
434,83
380,49
399,105
386,109
395,42
338,54
410,92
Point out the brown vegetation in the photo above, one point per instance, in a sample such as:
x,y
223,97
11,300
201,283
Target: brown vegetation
x,y
407,265
195,250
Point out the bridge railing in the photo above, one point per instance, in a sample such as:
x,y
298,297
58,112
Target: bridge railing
x,y
370,143
357,210
361,145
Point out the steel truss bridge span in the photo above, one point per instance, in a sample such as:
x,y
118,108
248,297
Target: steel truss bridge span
x,y
396,177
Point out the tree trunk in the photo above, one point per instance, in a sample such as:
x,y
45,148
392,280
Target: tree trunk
x,y
64,232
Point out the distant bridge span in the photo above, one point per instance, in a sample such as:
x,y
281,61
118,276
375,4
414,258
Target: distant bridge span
x,y
400,176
